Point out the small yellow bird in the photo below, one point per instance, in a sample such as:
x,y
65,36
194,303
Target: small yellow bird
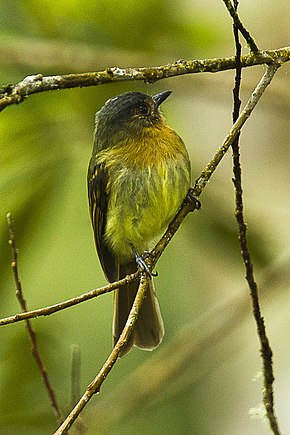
x,y
138,177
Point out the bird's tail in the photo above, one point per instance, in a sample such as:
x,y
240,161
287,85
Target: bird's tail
x,y
149,329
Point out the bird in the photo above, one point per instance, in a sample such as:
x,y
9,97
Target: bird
x,y
138,177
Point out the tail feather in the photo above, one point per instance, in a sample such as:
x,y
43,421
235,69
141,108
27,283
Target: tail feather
x,y
149,328
123,301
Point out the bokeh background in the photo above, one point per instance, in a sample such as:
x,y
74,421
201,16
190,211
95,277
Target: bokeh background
x,y
206,377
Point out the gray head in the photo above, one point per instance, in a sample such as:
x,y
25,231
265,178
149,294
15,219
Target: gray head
x,y
127,114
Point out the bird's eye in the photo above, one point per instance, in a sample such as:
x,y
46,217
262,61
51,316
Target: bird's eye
x,y
143,110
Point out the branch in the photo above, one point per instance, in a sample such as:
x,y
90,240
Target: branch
x,y
70,302
239,25
15,94
96,384
32,334
266,351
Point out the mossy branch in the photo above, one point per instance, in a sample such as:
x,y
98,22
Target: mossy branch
x,y
15,94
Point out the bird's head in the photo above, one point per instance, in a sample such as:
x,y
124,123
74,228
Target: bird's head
x,y
126,115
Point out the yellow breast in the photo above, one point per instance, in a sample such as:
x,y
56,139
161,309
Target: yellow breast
x,y
148,179
151,147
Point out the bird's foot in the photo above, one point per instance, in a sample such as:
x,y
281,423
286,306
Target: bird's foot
x,y
141,261
193,200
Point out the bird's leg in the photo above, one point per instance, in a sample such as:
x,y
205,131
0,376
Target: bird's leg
x,y
193,200
140,260
147,254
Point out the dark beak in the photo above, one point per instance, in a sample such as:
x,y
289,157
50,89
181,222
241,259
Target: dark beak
x,y
159,98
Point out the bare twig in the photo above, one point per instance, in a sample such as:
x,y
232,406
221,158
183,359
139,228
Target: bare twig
x,y
239,25
15,94
238,77
32,334
96,384
266,352
70,302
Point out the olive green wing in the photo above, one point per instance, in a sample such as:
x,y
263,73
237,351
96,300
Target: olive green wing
x,y
98,203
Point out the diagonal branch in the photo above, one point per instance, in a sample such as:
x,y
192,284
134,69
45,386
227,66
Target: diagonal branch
x,y
70,302
96,384
239,25
15,94
32,334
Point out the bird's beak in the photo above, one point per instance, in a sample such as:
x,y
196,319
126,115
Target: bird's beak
x,y
159,98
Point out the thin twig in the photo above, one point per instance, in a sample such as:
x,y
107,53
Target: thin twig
x,y
266,352
32,334
239,25
15,94
238,77
70,302
96,384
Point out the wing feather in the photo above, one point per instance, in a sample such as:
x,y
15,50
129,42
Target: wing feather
x,y
98,203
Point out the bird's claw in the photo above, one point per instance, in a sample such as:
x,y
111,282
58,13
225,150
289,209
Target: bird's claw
x,y
193,200
140,260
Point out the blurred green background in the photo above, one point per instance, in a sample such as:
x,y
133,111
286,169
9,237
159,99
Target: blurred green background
x,y
205,377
